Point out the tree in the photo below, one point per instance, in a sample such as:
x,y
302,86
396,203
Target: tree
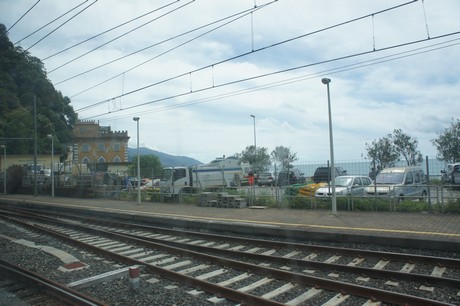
x,y
406,146
150,166
23,83
448,143
283,157
259,161
382,153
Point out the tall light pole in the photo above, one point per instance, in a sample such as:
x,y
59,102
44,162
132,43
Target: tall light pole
x,y
255,146
326,81
138,164
4,168
52,163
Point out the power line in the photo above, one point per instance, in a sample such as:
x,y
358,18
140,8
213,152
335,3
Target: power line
x,y
248,53
61,25
23,15
107,31
238,15
118,37
57,18
314,75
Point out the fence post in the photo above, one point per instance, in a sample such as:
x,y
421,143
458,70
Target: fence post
x,y
428,183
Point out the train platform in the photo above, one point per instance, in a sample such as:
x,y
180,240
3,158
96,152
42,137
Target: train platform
x,y
440,229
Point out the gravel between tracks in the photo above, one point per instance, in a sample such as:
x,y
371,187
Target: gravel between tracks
x,y
118,291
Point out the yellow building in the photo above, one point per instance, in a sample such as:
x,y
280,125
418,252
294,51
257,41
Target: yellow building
x,y
100,148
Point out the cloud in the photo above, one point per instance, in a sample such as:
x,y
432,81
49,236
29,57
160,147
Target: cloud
x,y
196,102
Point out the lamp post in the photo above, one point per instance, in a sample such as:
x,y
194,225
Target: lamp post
x,y
138,164
4,168
326,81
255,146
52,164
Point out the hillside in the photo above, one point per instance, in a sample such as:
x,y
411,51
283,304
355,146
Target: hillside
x,y
166,160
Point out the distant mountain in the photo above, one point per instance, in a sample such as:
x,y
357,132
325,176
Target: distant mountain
x,y
166,160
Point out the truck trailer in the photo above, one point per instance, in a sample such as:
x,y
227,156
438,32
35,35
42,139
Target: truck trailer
x,y
220,173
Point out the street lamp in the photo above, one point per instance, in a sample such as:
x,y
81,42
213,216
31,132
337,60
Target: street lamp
x,y
4,168
326,81
52,163
138,164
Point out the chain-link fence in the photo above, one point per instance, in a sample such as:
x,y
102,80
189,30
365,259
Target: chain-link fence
x,y
440,197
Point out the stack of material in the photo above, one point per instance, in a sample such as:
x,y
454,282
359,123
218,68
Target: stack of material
x,y
207,199
230,201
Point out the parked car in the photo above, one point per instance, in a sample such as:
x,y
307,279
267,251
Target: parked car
x,y
451,174
400,182
266,178
289,177
353,185
323,174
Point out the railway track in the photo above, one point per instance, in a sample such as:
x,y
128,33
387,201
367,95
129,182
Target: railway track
x,y
34,289
260,272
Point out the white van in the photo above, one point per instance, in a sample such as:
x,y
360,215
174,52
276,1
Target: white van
x,y
400,182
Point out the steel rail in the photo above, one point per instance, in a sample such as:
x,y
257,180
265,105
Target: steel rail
x,y
55,289
391,256
336,286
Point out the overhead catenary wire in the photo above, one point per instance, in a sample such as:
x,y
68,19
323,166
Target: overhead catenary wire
x,y
330,71
236,16
20,18
252,52
61,25
52,21
120,36
107,31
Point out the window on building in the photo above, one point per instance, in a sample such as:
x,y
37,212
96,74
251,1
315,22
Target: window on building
x,y
101,159
116,147
117,159
85,147
101,147
85,160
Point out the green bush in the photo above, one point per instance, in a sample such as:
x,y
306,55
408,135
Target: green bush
x,y
452,207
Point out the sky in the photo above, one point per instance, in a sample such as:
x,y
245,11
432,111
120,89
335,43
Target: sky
x,y
195,71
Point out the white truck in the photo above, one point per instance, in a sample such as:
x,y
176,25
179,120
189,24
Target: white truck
x,y
220,173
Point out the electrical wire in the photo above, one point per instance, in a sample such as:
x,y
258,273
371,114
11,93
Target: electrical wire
x,y
55,19
120,36
107,31
392,57
251,52
237,16
61,25
23,15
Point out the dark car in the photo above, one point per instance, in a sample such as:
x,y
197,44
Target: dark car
x,y
289,177
323,174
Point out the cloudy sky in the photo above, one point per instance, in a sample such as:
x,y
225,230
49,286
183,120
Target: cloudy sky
x,y
195,71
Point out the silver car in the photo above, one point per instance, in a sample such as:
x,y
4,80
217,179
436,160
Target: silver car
x,y
266,178
353,185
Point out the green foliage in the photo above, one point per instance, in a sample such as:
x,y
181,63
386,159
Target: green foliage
x,y
407,147
387,151
258,159
382,152
150,165
283,157
23,81
448,143
452,207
